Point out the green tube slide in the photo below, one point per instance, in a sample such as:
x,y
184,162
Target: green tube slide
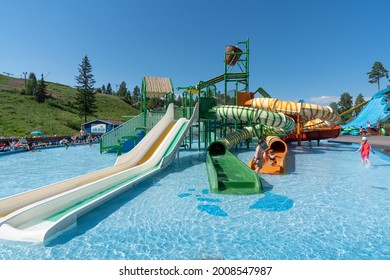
x,y
222,145
227,174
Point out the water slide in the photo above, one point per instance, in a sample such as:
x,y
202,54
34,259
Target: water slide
x,y
323,123
280,150
307,110
227,174
376,109
41,214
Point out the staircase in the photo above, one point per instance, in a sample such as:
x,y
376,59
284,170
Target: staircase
x,y
114,140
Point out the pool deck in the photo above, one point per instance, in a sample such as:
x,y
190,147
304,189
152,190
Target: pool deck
x,y
380,143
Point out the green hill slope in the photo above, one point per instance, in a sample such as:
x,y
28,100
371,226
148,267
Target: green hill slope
x,y
20,114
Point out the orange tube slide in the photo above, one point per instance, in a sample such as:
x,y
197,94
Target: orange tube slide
x,y
267,166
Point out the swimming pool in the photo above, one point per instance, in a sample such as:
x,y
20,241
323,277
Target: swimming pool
x,y
326,207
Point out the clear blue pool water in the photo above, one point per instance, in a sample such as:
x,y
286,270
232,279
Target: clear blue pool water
x,y
328,206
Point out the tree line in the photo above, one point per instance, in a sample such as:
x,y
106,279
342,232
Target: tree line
x,y
122,92
378,71
85,99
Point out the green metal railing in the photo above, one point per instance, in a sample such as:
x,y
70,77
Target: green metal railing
x,y
111,140
114,139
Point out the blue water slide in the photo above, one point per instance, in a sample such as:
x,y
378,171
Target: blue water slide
x,y
376,109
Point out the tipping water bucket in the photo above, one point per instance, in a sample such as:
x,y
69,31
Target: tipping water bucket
x,y
232,54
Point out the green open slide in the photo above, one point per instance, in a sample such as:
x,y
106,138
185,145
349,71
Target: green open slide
x,y
229,175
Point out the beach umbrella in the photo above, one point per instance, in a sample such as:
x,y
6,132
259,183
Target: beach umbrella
x,y
37,132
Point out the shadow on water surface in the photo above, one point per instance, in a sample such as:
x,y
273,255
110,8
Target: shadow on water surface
x,y
185,162
214,210
267,186
271,202
322,148
379,188
94,217
100,213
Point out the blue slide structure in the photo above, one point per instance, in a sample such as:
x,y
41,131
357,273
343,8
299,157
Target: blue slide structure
x,y
376,109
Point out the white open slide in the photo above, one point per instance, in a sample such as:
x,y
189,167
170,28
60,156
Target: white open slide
x,y
42,214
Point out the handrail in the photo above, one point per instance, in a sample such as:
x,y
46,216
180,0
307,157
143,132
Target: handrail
x,y
111,140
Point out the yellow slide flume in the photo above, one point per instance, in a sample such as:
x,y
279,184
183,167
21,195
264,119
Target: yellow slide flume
x,y
314,111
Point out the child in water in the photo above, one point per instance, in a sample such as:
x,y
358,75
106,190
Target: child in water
x,y
271,158
364,150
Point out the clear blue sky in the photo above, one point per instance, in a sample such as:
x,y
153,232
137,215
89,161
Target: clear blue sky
x,y
301,49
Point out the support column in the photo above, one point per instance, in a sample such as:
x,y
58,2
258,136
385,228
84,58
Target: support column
x,y
299,130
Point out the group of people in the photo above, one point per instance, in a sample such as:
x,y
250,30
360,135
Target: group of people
x,y
371,129
364,132
88,139
13,145
269,156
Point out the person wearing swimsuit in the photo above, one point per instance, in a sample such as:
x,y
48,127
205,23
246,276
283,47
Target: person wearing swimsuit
x,y
364,150
271,158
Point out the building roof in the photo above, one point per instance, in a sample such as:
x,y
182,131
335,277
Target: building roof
x,y
157,87
112,122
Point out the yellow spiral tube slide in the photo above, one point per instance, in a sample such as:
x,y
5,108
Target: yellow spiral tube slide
x,y
324,113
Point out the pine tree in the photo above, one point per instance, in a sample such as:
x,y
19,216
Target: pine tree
x,y
136,93
109,89
85,96
31,84
40,93
377,72
128,97
122,90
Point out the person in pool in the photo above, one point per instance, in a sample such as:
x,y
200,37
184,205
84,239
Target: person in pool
x,y
271,158
258,153
364,150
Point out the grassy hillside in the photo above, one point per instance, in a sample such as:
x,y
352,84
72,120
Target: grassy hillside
x,y
21,114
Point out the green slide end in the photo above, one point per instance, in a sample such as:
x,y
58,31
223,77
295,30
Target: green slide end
x,y
229,175
383,131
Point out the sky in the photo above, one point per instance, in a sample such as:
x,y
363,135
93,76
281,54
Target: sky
x,y
313,50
